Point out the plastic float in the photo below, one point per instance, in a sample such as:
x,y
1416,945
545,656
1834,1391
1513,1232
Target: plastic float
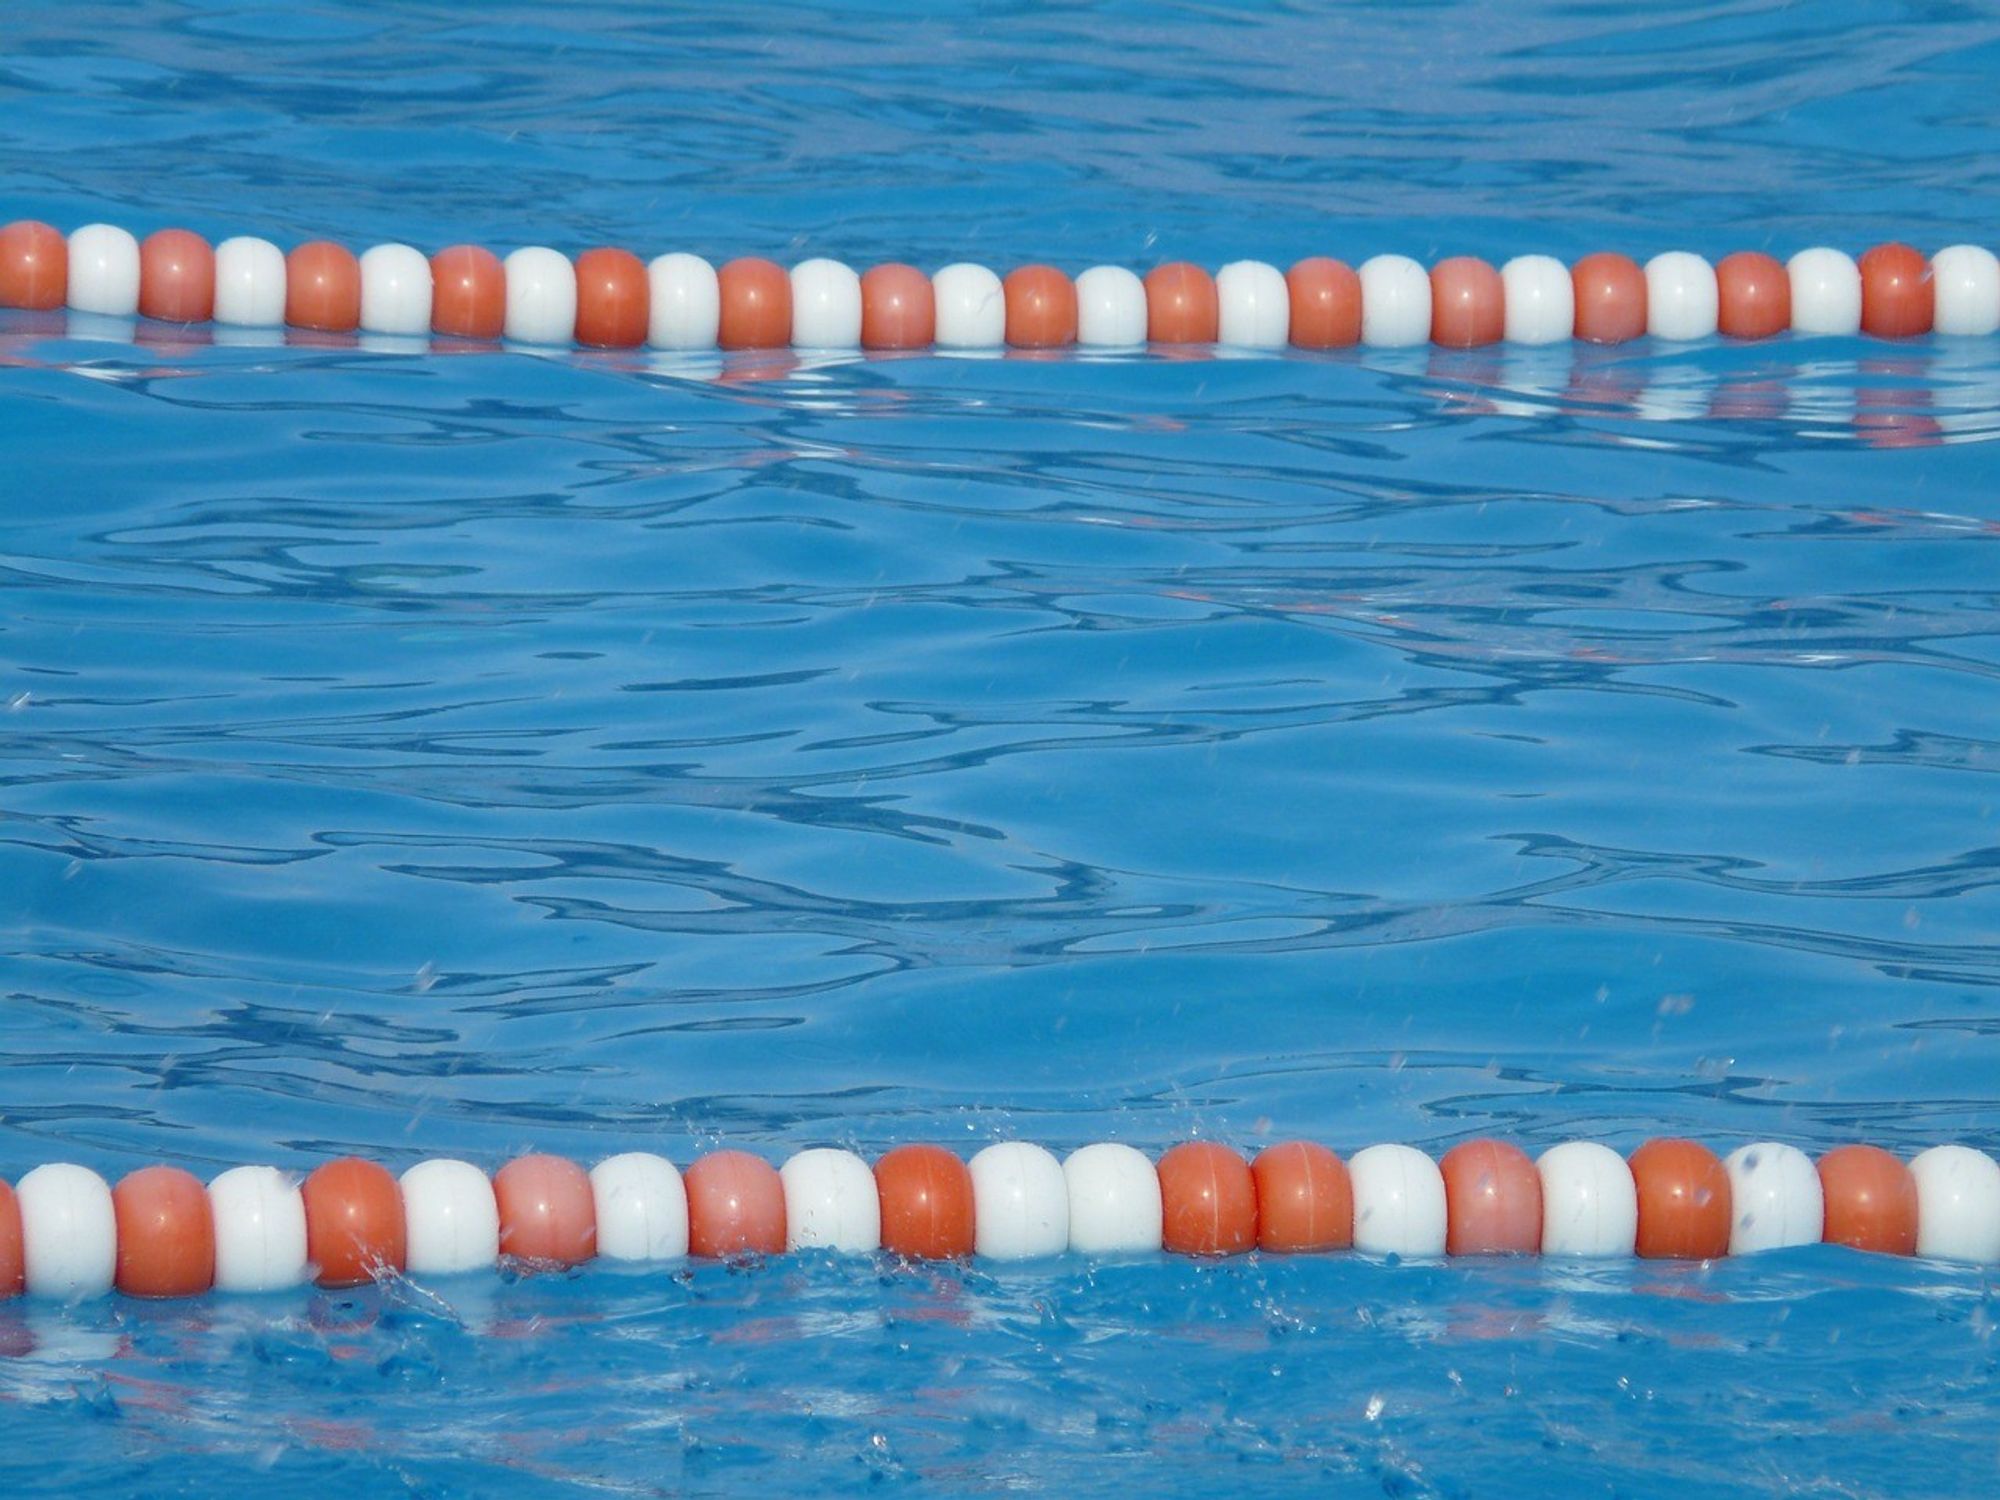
x,y
608,298
66,1233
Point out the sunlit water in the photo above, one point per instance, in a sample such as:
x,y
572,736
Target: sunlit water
x,y
415,752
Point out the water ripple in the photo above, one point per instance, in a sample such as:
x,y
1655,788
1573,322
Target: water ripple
x,y
410,748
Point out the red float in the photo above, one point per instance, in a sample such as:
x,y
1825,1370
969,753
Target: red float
x,y
176,277
13,1259
898,308
927,1207
1208,1198
166,1234
1468,303
614,300
468,293
548,1213
354,1222
1305,1199
34,265
1871,1200
1610,298
1753,296
736,1206
1041,308
756,310
323,288
1684,1201
1898,296
1326,303
1181,304
1493,1200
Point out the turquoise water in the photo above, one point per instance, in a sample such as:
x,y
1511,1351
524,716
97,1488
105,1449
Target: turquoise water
x,y
421,753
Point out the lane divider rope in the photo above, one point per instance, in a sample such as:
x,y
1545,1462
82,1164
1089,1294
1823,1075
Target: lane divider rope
x,y
607,298
66,1233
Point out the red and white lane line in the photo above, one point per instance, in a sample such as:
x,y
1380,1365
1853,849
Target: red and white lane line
x,y
608,298
66,1233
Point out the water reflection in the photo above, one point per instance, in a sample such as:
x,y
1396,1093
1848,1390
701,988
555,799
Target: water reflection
x,y
1882,395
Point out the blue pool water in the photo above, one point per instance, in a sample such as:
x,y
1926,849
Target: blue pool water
x,y
414,753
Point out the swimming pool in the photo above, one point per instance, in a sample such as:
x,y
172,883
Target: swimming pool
x,y
421,753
